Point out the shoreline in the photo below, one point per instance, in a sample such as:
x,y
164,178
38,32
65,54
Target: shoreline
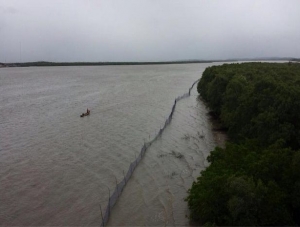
x,y
219,133
44,63
47,63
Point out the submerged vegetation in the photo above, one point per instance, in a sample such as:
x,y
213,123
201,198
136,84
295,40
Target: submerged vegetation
x,y
255,179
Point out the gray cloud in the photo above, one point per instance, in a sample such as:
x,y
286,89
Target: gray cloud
x,y
147,30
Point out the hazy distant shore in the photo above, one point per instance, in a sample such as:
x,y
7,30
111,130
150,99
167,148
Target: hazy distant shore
x,y
45,63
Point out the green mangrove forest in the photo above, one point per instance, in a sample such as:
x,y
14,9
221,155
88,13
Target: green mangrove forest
x,y
255,179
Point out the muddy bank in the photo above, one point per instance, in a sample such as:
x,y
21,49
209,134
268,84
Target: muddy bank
x,y
219,132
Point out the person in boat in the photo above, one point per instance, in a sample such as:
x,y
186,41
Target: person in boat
x,y
85,114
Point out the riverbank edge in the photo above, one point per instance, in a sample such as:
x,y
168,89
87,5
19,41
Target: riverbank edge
x,y
47,63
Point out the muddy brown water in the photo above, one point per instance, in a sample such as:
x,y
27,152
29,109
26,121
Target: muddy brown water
x,y
56,168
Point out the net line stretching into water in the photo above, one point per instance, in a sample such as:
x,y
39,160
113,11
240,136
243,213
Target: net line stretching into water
x,y
120,186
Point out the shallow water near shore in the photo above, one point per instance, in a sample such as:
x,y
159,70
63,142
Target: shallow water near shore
x,y
57,168
160,182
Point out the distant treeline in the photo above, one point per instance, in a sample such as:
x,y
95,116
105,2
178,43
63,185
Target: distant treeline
x,y
45,63
255,179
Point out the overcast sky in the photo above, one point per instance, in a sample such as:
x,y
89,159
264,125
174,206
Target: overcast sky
x,y
147,30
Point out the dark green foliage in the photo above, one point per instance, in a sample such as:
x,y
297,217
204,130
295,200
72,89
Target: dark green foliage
x,y
248,185
255,180
255,100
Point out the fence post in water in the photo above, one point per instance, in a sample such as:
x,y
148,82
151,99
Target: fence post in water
x,y
124,177
117,187
143,151
108,201
101,216
130,169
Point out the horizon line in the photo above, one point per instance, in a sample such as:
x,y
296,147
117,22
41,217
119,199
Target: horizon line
x,y
154,62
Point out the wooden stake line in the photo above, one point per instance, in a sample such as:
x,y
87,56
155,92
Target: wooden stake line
x,y
143,151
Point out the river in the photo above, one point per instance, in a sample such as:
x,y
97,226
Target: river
x,y
56,168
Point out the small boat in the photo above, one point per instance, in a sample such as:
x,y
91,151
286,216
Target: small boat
x,y
85,114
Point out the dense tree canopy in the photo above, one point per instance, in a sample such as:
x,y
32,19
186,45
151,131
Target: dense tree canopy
x,y
255,179
255,100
